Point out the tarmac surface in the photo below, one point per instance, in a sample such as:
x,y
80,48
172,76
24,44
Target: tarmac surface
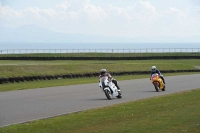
x,y
33,104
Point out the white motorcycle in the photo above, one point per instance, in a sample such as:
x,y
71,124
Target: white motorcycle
x,y
109,88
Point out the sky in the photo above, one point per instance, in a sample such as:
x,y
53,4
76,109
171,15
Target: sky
x,y
121,18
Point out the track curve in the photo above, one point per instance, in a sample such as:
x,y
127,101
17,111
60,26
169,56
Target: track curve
x,y
27,105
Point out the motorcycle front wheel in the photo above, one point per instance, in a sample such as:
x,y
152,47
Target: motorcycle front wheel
x,y
156,87
108,94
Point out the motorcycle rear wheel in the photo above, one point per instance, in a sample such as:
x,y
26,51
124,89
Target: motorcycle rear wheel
x,y
163,89
120,95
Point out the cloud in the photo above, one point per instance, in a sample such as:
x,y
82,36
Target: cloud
x,y
7,12
62,7
83,8
80,16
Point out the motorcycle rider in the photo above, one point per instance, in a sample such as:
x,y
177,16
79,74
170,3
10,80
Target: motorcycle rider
x,y
155,70
103,72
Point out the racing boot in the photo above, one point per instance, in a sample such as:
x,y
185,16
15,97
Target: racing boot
x,y
163,79
118,88
164,83
115,82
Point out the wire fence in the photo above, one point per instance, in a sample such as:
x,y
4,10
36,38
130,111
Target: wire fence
x,y
148,50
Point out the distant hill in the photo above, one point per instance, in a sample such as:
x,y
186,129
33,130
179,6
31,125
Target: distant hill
x,y
35,34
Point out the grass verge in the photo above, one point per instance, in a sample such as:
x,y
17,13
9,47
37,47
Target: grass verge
x,y
40,68
174,113
65,82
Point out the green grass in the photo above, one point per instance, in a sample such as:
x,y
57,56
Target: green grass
x,y
31,68
100,54
66,82
35,68
174,113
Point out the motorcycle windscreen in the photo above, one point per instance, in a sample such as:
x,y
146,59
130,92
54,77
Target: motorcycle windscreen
x,y
154,77
103,79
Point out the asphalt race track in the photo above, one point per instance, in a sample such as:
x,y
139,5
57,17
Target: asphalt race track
x,y
33,104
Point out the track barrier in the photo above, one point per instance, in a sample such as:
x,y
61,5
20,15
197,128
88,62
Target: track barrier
x,y
84,75
101,58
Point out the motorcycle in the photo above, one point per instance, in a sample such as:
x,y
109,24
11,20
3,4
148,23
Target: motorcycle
x,y
157,82
109,88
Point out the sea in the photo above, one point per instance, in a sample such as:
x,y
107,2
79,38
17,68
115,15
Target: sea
x,y
97,47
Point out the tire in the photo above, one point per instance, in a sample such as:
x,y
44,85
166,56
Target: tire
x,y
163,89
119,96
108,94
156,87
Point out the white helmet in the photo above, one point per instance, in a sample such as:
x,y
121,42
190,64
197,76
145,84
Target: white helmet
x,y
103,71
153,68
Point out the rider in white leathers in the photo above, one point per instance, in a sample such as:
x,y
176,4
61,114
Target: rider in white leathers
x,y
103,72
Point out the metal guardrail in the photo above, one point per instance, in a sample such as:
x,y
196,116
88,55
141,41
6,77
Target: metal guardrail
x,y
148,50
